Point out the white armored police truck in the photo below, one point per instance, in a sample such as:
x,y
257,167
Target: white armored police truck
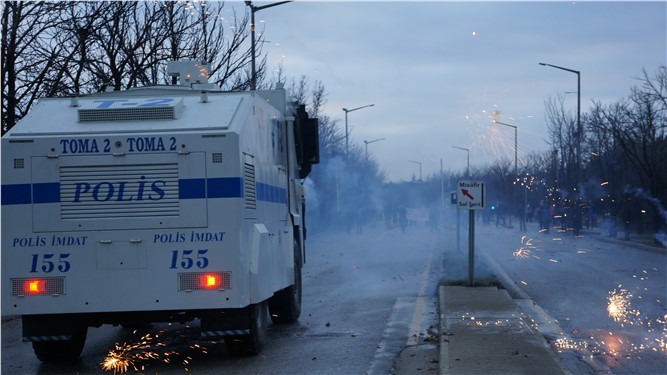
x,y
159,204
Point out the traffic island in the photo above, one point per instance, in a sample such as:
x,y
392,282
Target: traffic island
x,y
483,332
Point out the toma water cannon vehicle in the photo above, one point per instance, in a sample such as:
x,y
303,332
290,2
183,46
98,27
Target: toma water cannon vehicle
x,y
158,204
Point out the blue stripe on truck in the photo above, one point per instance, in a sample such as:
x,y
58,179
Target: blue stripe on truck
x,y
197,188
16,194
46,192
270,193
225,187
191,188
30,193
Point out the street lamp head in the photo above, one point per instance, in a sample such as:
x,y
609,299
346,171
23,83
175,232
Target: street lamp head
x,y
494,121
355,109
561,68
373,141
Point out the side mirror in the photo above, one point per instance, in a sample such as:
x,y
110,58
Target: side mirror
x,y
307,141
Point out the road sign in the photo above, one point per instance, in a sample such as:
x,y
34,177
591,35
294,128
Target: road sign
x,y
470,195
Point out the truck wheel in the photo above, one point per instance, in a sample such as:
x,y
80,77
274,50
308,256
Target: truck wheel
x,y
252,343
61,351
285,305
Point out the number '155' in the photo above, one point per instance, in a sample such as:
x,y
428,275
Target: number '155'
x,y
48,262
186,259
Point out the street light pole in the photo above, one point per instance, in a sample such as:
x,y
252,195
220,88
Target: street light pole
x,y
420,168
516,152
347,134
579,129
367,142
516,159
253,9
467,159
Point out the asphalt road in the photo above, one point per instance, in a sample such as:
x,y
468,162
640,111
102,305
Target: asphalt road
x,y
574,280
367,297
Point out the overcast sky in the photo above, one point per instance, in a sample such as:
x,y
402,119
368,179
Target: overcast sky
x,y
437,70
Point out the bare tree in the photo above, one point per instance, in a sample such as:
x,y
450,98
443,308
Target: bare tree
x,y
72,48
656,88
499,179
561,127
606,163
28,55
637,126
538,164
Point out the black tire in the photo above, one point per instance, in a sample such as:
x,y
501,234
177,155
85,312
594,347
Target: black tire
x,y
285,305
250,344
61,351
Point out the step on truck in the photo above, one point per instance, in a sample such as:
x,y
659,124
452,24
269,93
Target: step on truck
x,y
166,203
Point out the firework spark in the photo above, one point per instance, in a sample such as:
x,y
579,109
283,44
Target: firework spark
x,y
126,356
522,253
619,306
526,249
648,335
563,344
152,347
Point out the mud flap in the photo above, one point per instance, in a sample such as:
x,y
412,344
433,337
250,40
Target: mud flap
x,y
49,327
228,322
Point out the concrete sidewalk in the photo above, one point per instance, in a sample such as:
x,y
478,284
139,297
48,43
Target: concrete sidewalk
x,y
482,332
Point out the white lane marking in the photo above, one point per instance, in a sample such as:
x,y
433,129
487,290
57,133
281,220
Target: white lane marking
x,y
418,314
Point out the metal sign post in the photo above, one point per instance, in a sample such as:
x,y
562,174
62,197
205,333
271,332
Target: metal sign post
x,y
471,247
470,196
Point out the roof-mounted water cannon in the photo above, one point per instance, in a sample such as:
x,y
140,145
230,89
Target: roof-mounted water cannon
x,y
189,72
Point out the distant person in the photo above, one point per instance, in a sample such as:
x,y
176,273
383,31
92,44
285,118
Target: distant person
x,y
433,218
544,216
403,218
529,213
627,205
522,218
359,220
577,216
487,214
500,214
388,215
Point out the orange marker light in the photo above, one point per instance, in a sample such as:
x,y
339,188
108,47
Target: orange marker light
x,y
209,281
34,286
